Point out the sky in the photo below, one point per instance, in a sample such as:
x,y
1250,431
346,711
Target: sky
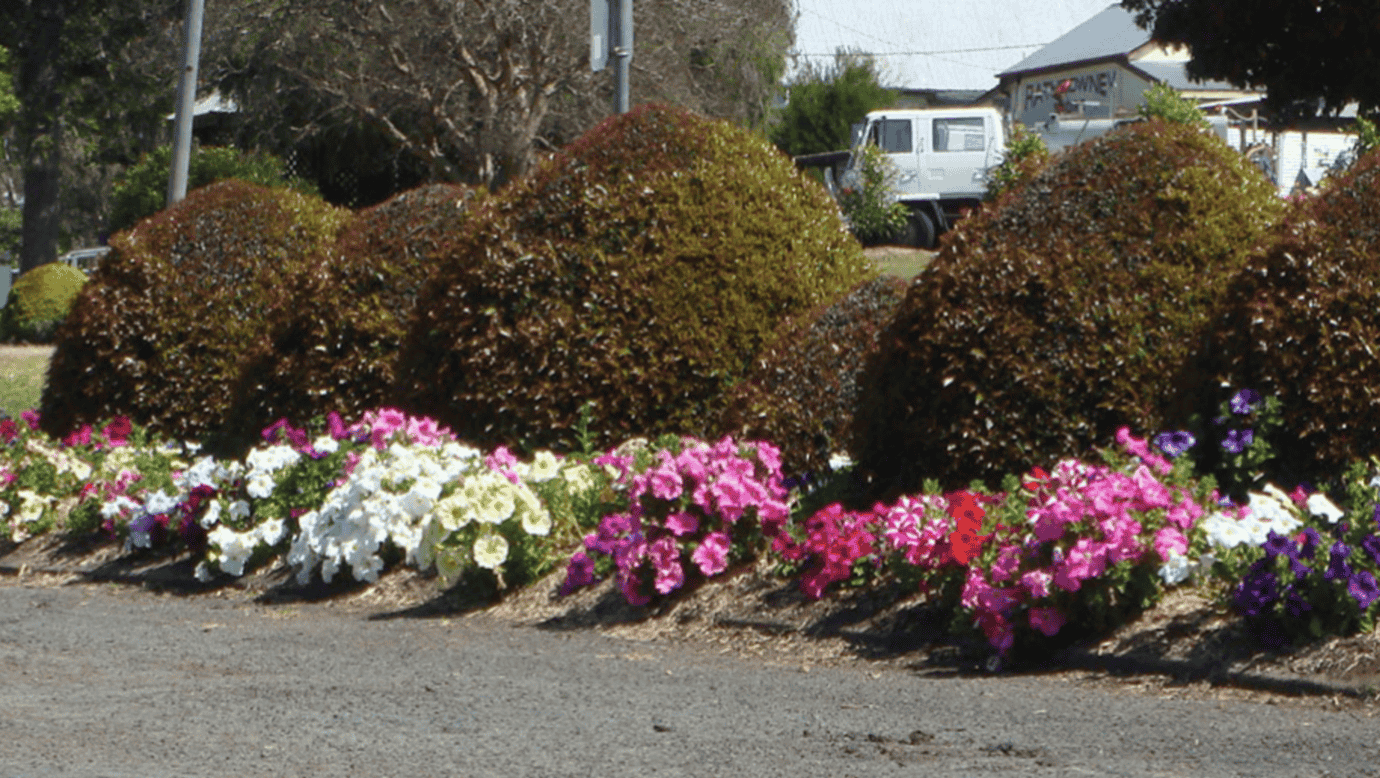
x,y
937,44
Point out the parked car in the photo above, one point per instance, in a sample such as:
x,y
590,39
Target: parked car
x,y
85,260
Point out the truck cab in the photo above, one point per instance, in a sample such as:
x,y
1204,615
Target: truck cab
x,y
943,156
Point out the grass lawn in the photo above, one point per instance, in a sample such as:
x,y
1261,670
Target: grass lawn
x,y
900,261
22,372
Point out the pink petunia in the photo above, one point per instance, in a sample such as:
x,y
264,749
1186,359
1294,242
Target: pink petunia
x,y
681,523
1047,620
712,555
1170,541
665,557
1037,583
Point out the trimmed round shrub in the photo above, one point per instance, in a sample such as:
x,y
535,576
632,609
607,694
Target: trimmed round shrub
x,y
39,301
1303,325
802,391
335,344
641,269
143,189
1077,303
159,332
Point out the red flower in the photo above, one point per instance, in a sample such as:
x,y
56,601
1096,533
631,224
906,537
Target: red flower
x,y
1036,477
964,507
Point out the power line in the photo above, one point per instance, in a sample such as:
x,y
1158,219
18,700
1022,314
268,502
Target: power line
x,y
930,53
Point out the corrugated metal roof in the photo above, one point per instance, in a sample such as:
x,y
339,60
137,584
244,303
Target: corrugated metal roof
x,y
938,44
1111,33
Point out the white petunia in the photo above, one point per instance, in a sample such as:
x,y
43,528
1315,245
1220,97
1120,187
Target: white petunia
x,y
545,466
490,551
1319,505
157,503
1224,531
272,531
260,485
579,477
536,520
1176,570
420,499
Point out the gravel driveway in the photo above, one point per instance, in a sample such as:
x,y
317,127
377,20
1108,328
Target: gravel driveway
x,y
111,680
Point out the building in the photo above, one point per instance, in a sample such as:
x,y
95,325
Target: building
x,y
1101,68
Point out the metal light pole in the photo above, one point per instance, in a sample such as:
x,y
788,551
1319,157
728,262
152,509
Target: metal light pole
x,y
612,33
186,102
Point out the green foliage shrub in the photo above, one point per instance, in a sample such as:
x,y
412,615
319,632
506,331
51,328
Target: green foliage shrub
x,y
335,344
1077,303
39,301
642,269
143,190
1302,324
869,204
802,391
159,332
1164,102
1026,155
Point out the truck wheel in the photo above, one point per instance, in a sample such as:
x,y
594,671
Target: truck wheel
x,y
921,230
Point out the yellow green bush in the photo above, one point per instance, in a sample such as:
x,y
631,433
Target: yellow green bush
x,y
39,301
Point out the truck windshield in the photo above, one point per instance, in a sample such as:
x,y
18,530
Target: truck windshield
x,y
892,135
959,134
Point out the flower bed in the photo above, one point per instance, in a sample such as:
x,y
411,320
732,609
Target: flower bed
x,y
1057,554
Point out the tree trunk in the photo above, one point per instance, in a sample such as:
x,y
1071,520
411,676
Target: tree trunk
x,y
41,136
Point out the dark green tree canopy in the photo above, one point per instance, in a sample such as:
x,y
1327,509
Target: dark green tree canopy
x,y
1312,56
826,101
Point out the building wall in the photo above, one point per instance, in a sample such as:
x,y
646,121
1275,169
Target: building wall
x,y
1102,91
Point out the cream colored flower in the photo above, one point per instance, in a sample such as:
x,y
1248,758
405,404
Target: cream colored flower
x,y
545,466
490,551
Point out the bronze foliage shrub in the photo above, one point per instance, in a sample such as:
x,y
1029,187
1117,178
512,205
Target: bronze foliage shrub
x,y
802,391
334,345
159,331
1076,303
641,269
1303,324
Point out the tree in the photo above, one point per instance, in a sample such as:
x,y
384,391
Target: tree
x,y
825,102
1309,56
87,71
473,90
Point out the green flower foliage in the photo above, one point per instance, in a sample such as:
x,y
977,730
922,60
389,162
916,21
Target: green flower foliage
x,y
1302,324
802,391
870,206
1077,303
333,347
644,268
39,301
158,333
143,190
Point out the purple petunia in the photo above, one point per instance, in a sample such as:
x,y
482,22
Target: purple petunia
x,y
1296,604
1175,443
1311,540
1243,402
1257,591
1371,545
1237,441
1363,589
1277,544
1337,568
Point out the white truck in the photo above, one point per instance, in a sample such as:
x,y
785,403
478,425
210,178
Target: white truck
x,y
944,156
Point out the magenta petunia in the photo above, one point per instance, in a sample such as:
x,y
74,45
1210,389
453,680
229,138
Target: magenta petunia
x,y
682,523
1047,620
